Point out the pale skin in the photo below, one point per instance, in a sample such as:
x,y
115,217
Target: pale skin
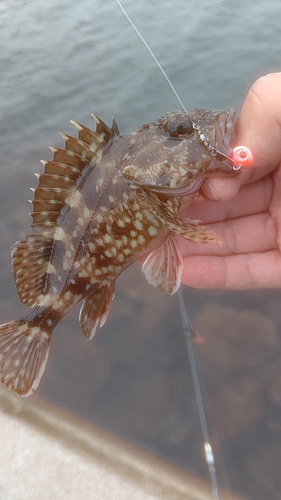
x,y
244,211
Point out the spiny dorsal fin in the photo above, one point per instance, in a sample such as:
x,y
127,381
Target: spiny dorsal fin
x,y
30,257
60,174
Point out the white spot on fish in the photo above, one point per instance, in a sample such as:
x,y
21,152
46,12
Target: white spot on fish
x,y
107,238
68,295
43,300
99,184
152,231
59,234
91,246
74,199
83,274
120,223
32,333
50,269
138,225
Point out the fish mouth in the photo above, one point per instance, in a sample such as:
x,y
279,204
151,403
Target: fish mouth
x,y
220,140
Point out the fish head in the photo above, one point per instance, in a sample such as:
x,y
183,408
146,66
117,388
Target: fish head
x,y
176,153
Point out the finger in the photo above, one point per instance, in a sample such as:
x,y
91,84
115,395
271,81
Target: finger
x,y
251,199
259,128
275,204
235,272
251,234
255,233
220,189
259,124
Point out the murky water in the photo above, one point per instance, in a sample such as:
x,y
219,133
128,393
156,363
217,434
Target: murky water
x,y
64,60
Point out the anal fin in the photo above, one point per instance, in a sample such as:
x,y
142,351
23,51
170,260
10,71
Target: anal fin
x,y
163,267
94,310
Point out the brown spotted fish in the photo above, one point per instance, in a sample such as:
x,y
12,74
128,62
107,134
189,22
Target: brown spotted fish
x,y
102,202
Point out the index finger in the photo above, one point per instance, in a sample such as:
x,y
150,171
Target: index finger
x,y
259,124
259,128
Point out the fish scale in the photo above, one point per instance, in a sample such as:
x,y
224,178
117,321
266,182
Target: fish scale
x,y
102,202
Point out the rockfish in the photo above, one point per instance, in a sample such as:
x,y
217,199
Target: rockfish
x,y
105,200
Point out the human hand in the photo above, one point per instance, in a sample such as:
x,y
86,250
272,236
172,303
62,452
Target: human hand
x,y
247,211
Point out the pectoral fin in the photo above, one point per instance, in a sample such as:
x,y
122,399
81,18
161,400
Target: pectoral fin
x,y
189,229
163,267
192,230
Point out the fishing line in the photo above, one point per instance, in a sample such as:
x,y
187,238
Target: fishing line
x,y
188,330
152,55
189,334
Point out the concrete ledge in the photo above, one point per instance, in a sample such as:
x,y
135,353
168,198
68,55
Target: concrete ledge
x,y
47,454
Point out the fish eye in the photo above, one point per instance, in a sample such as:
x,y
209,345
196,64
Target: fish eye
x,y
178,129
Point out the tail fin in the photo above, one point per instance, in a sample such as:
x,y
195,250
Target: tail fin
x,y
24,350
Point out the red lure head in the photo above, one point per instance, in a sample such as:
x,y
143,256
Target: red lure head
x,y
242,156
